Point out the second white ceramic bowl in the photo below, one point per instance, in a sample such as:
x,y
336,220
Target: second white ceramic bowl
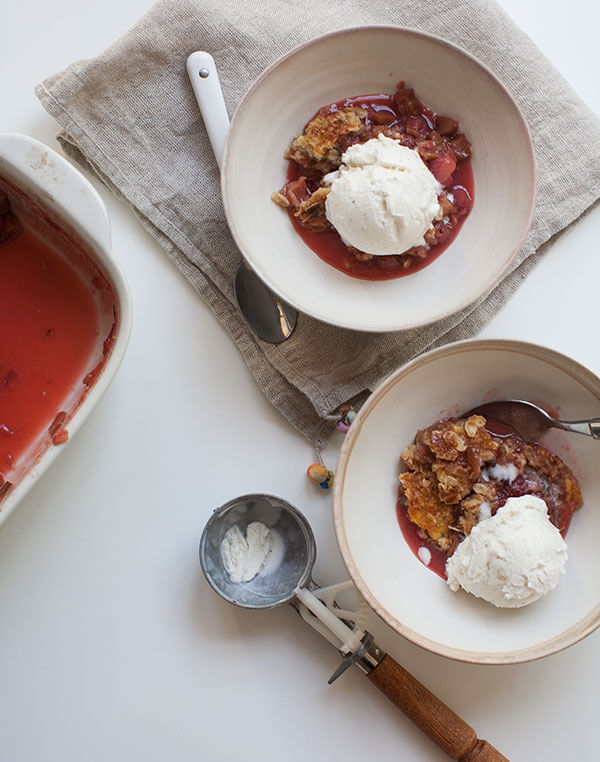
x,y
407,595
360,61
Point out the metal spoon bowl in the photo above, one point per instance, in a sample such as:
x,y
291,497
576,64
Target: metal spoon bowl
x,y
270,318
530,421
297,551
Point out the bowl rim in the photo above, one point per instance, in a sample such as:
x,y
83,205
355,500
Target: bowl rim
x,y
573,634
349,321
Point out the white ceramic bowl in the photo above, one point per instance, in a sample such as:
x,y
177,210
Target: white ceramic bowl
x,y
63,196
406,594
361,61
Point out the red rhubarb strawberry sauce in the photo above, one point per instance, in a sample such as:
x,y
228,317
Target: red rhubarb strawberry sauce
x,y
57,321
440,144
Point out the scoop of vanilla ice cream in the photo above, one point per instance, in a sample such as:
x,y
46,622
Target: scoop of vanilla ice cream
x,y
383,198
511,559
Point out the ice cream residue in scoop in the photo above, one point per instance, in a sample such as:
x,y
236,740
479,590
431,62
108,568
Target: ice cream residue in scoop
x,y
245,556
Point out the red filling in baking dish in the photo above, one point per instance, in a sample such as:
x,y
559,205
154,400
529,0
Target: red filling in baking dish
x,y
57,324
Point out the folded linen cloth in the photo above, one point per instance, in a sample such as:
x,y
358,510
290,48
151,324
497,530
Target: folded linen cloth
x,y
130,116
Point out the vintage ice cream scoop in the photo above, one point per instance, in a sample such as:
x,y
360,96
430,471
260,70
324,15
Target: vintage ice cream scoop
x,y
286,578
270,317
531,421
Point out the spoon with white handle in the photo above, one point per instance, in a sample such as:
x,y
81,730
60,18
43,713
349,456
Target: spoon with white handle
x,y
272,319
531,421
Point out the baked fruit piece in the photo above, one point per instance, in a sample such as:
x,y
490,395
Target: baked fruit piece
x,y
458,473
317,147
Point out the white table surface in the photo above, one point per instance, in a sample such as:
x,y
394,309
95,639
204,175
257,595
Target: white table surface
x,y
112,645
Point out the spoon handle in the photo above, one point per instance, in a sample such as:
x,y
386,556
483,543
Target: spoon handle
x,y
590,427
435,719
204,79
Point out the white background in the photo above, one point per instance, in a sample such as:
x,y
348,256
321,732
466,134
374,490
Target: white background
x,y
112,647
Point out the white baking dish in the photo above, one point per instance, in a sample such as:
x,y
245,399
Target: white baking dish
x,y
41,183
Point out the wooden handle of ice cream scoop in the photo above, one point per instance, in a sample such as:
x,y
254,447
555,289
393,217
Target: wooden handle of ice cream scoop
x,y
438,721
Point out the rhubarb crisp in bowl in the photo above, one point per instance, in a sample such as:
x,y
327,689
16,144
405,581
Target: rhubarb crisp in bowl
x,y
460,472
378,186
405,170
464,537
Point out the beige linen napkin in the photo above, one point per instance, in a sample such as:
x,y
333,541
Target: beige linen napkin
x,y
131,117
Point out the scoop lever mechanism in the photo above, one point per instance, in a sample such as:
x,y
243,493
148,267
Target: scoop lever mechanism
x,y
343,628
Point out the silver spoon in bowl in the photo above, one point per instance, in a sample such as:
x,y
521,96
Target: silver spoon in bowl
x,y
531,421
272,319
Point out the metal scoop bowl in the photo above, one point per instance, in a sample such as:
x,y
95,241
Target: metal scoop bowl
x,y
297,551
286,578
